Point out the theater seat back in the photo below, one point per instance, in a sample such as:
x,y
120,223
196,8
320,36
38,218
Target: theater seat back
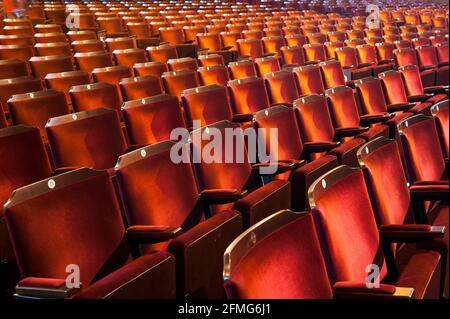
x,y
258,267
345,222
91,138
70,219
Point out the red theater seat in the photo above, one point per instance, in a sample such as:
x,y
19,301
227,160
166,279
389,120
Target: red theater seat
x,y
248,95
12,68
34,109
254,267
87,198
140,87
267,65
315,53
373,103
345,114
242,69
316,126
41,66
214,74
95,95
152,119
207,104
24,161
250,48
395,92
187,63
90,60
257,201
349,252
309,79
197,244
177,81
349,60
129,57
281,87
415,89
422,150
22,84
428,58
382,164
64,81
293,151
90,138
440,113
408,56
333,74
292,55
84,46
150,68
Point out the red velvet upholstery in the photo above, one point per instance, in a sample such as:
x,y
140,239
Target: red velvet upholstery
x,y
313,113
157,191
34,109
211,60
95,95
176,82
45,249
152,119
214,74
422,149
208,104
281,87
385,51
134,280
290,148
309,79
268,272
248,95
91,138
